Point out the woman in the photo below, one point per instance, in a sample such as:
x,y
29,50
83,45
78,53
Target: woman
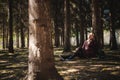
x,y
90,46
89,49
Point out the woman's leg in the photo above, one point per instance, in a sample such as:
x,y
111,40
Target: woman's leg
x,y
78,53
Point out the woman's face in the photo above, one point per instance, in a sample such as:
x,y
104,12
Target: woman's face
x,y
91,36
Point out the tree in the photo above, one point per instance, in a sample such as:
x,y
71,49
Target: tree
x,y
67,46
113,42
96,21
11,50
22,36
56,17
82,22
41,59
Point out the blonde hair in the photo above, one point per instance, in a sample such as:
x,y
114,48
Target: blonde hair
x,y
90,34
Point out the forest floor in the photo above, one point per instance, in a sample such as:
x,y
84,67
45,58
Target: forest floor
x,y
14,66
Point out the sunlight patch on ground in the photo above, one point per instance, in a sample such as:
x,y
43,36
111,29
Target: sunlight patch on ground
x,y
8,77
2,54
79,67
99,65
115,73
16,65
57,52
94,69
72,62
69,71
111,68
3,61
6,71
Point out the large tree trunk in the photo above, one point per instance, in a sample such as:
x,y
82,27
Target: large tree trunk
x,y
10,27
96,21
41,59
67,46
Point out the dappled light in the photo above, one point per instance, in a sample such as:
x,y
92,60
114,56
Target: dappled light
x,y
11,66
59,40
89,69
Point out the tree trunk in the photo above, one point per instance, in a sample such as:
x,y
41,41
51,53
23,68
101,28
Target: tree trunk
x,y
96,21
28,38
82,22
7,41
10,27
41,59
57,23
57,35
113,42
22,36
77,35
67,46
101,30
17,38
3,33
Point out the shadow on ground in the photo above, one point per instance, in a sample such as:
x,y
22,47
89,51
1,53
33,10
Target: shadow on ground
x,y
91,69
14,66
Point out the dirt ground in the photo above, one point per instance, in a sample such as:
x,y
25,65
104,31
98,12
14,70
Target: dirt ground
x,y
14,66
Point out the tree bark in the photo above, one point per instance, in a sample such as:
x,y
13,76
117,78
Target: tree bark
x,y
67,46
41,59
17,38
96,21
77,35
82,22
22,36
11,50
57,35
113,42
3,33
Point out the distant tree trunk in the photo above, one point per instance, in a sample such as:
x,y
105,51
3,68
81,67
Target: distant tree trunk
x,y
61,37
57,35
77,35
96,20
3,33
101,29
22,36
113,42
11,50
28,38
56,23
81,35
7,41
17,38
41,60
67,46
82,22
